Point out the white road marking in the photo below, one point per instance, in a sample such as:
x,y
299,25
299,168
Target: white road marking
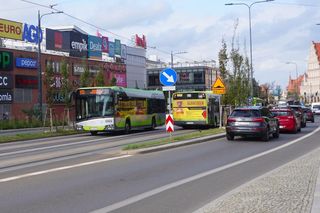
x,y
150,193
61,168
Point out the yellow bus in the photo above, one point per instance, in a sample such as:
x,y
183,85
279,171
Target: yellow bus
x,y
196,109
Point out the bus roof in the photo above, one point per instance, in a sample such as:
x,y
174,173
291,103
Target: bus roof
x,y
138,93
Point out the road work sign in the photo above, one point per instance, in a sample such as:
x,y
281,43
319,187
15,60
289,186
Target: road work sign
x,y
218,87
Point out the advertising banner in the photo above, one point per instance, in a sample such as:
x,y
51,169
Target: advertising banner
x,y
30,33
78,45
26,81
26,63
95,47
10,29
105,44
77,69
6,61
6,96
123,51
121,79
6,81
111,49
117,47
57,40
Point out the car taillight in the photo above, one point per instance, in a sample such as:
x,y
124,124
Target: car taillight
x,y
258,120
231,120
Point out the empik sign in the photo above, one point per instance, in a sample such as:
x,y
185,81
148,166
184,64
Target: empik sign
x,y
26,63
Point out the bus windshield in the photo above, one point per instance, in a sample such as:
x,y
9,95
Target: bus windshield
x,y
89,106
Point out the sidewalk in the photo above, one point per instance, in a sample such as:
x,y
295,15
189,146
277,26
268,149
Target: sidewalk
x,y
293,187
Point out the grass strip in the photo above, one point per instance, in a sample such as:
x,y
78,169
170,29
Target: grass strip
x,y
200,133
37,135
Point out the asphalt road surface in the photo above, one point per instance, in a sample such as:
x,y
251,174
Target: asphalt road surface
x,y
78,174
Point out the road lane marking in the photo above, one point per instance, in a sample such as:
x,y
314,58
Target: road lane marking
x,y
150,193
61,168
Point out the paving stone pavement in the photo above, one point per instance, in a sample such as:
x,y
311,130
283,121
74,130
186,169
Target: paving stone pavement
x,y
287,189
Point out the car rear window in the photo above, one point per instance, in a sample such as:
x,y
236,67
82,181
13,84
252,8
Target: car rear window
x,y
245,113
281,113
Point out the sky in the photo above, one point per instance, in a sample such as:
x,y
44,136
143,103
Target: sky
x,y
282,30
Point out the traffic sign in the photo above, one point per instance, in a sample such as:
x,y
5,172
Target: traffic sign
x,y
168,77
169,88
218,87
169,123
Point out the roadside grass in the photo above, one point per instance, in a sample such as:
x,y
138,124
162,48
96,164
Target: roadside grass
x,y
167,140
30,136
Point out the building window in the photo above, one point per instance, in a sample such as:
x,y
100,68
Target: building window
x,y
153,80
5,110
22,95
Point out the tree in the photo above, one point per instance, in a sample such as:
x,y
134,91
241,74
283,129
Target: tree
x,y
49,82
66,90
113,82
85,79
223,62
100,78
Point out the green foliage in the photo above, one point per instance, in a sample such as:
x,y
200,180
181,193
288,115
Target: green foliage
x,y
49,83
85,80
100,78
113,82
66,87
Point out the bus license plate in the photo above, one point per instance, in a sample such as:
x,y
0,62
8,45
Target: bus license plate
x,y
190,122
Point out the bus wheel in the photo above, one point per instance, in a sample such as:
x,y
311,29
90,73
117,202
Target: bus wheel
x,y
93,132
127,127
153,124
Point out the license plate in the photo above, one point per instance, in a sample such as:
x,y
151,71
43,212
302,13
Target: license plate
x,y
93,128
190,122
281,127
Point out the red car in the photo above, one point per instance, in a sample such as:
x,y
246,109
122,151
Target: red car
x,y
288,121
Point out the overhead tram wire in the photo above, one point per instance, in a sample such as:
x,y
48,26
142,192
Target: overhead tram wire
x,y
95,26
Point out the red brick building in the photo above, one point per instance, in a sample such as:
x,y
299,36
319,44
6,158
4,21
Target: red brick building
x,y
295,84
19,79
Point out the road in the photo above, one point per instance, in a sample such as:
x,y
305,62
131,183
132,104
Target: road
x,y
78,174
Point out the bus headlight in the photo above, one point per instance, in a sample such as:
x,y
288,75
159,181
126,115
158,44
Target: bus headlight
x,y
79,127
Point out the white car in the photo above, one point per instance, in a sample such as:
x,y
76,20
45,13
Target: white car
x,y
315,107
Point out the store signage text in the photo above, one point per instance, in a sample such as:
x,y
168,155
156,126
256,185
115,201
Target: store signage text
x,y
31,33
141,42
6,96
10,29
6,81
26,63
6,61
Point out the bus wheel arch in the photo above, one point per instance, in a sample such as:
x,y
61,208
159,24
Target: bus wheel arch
x,y
94,132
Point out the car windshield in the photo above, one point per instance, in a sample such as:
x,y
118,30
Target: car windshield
x,y
317,107
246,113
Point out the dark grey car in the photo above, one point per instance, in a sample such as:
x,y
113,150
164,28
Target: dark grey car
x,y
252,121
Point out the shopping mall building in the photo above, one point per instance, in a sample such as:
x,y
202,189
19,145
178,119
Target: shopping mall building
x,y
19,66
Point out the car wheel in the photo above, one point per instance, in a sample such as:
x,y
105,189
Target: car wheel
x,y
266,135
277,133
230,137
303,125
312,120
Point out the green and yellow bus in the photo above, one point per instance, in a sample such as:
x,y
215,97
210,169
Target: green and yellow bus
x,y
196,109
106,109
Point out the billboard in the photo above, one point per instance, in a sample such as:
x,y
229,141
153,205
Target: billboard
x,y
123,51
6,96
111,49
6,81
6,61
57,40
121,79
10,29
95,47
26,63
105,44
78,45
26,81
117,47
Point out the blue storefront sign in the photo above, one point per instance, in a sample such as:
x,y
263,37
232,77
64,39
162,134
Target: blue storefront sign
x,y
95,47
26,63
111,49
30,33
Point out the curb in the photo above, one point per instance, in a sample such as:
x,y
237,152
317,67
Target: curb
x,y
173,145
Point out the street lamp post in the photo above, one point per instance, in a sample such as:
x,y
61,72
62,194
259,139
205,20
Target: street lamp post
x,y
39,61
250,37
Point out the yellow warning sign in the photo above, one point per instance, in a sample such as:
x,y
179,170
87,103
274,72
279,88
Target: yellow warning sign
x,y
218,87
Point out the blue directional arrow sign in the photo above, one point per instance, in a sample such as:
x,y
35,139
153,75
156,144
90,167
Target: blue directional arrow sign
x,y
168,77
